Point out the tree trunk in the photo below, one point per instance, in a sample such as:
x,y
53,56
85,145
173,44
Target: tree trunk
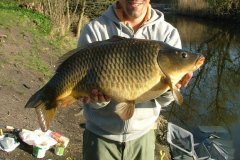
x,y
80,20
68,17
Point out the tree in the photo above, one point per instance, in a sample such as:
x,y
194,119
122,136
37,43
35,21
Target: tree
x,y
68,15
81,18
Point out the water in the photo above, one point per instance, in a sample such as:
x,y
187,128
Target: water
x,y
213,96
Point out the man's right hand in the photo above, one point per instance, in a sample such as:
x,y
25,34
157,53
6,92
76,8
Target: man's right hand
x,y
96,97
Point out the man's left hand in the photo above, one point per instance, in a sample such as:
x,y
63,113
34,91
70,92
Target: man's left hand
x,y
185,80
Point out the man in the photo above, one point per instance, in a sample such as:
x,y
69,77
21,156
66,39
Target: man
x,y
106,136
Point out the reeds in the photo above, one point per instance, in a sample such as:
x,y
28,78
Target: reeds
x,y
203,8
191,7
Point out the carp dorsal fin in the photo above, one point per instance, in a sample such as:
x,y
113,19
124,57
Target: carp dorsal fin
x,y
66,56
116,38
125,110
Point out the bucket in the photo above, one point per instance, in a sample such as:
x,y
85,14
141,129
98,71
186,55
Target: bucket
x,y
59,149
39,152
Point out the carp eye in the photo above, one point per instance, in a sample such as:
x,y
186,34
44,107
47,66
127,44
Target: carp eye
x,y
184,55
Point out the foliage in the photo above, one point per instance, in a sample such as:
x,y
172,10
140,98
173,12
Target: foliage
x,y
94,9
224,7
208,8
194,7
65,15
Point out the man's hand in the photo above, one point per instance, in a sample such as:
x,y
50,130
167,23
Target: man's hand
x,y
185,80
96,97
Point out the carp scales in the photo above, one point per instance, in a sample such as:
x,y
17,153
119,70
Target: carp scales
x,y
127,70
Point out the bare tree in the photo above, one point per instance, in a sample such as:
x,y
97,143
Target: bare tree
x,y
68,14
80,20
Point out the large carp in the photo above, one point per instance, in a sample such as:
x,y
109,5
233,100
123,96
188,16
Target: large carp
x,y
128,71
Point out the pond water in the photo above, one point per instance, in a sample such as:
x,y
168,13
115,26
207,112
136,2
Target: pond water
x,y
213,96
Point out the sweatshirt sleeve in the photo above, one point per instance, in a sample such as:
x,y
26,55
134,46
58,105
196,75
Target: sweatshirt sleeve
x,y
165,99
174,39
87,36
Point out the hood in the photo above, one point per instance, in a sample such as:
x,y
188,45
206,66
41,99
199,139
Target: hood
x,y
156,15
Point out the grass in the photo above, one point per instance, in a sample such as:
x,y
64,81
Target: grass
x,y
32,60
2,61
7,82
10,9
39,65
36,28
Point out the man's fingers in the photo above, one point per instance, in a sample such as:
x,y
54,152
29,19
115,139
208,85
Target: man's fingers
x,y
94,92
101,99
107,98
96,97
86,100
178,85
185,80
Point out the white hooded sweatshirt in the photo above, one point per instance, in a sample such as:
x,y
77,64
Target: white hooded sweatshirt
x,y
102,120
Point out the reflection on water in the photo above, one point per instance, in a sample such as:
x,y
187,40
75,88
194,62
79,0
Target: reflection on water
x,y
213,96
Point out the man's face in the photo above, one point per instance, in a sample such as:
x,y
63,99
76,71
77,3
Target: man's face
x,y
134,8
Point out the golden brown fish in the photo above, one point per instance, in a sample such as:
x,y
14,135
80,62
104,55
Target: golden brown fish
x,y
128,71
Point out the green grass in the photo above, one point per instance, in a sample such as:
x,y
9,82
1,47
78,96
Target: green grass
x,y
38,28
63,42
39,65
10,11
2,64
30,60
29,21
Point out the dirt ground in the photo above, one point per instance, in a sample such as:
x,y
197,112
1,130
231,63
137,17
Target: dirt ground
x,y
18,83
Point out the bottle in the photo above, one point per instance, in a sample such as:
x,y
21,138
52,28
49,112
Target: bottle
x,y
60,138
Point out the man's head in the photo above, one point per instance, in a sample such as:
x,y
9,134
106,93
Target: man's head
x,y
134,8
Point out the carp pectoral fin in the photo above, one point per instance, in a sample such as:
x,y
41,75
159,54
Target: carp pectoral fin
x,y
125,110
45,116
175,92
177,95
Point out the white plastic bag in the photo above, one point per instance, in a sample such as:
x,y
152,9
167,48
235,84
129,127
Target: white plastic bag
x,y
8,144
38,138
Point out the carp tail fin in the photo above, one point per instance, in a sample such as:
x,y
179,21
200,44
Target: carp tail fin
x,y
44,108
